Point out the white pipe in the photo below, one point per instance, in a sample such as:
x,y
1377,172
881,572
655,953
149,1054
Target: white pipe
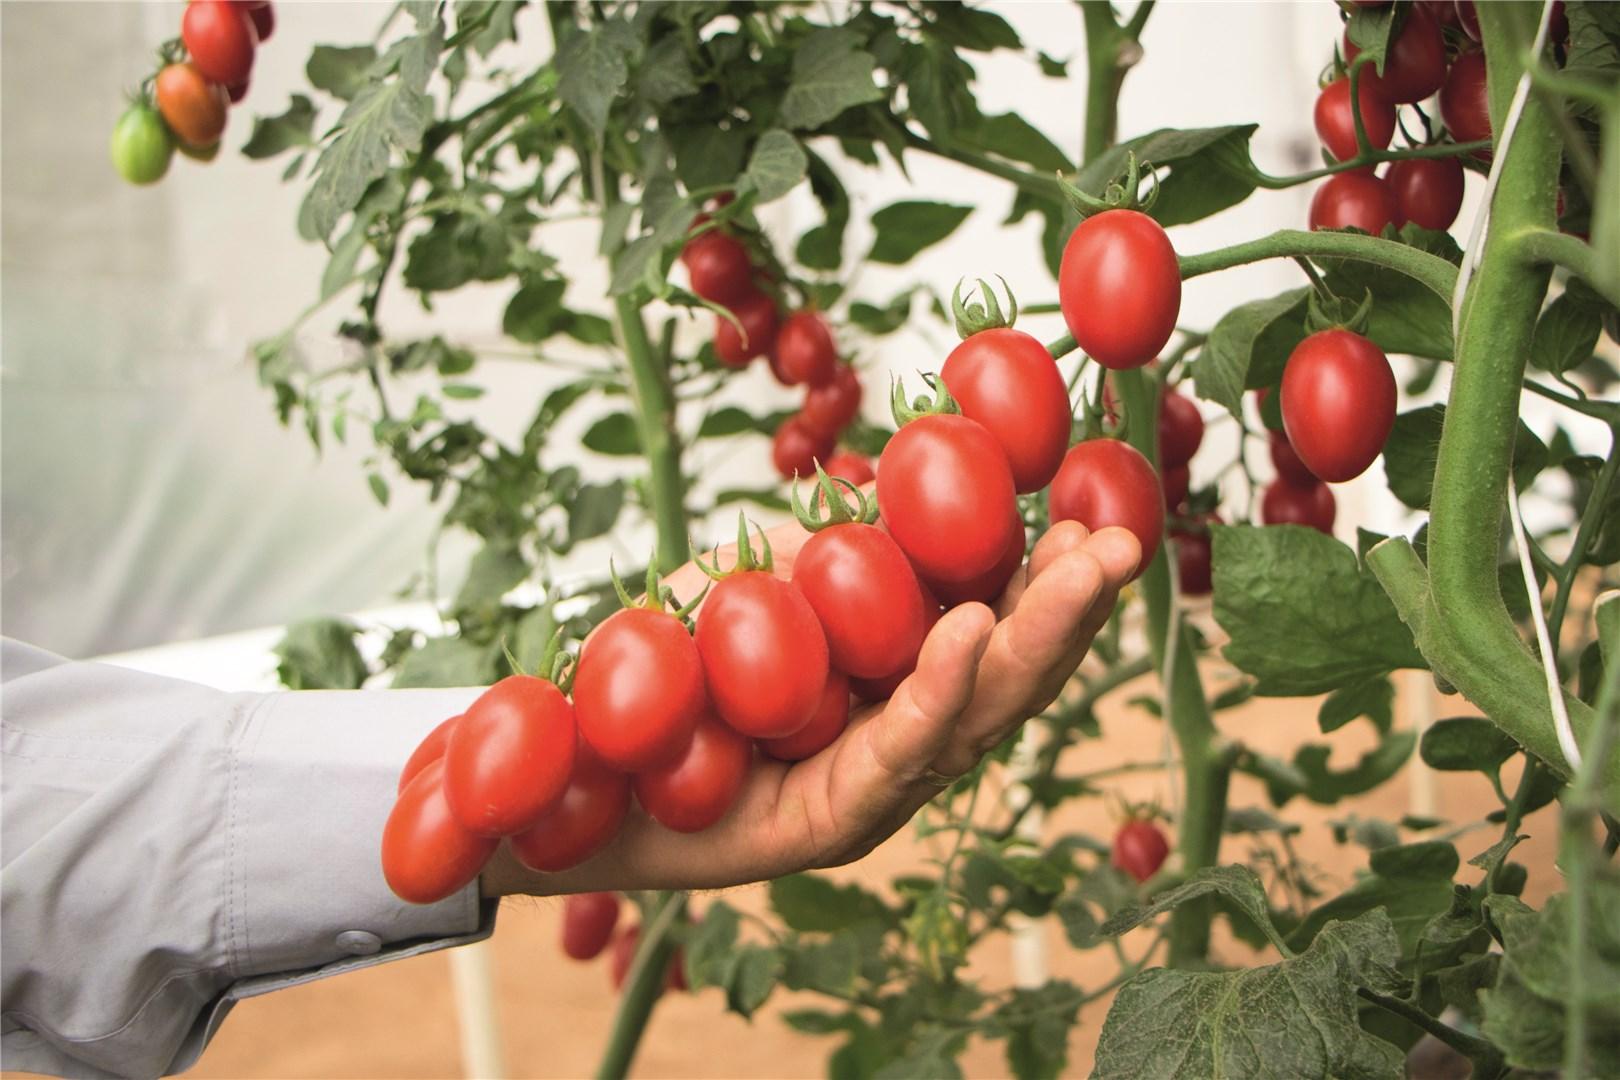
x,y
473,984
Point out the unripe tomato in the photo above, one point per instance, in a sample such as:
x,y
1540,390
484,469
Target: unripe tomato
x,y
588,922
848,465
429,750
1415,63
221,40
1176,482
1107,482
583,823
1008,382
757,314
264,19
1139,849
946,495
865,595
510,756
829,721
140,145
992,583
624,954
829,408
718,267
1286,503
1336,125
193,107
426,853
1464,105
1286,461
1428,191
1120,288
805,351
1181,429
1338,403
764,654
696,789
1353,199
638,690
884,688
796,448
1192,546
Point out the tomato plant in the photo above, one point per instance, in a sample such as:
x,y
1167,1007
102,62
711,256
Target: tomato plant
x,y
1289,502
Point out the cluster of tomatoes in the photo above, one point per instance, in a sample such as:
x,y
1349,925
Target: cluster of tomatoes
x,y
191,96
588,930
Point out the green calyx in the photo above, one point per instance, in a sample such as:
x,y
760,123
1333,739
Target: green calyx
x,y
942,402
1122,193
973,318
836,509
1324,311
746,559
556,664
658,597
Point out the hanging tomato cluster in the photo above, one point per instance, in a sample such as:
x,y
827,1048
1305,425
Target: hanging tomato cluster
x,y
588,930
184,105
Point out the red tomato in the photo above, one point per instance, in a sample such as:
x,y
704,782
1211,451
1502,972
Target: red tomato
x,y
796,448
638,690
884,688
848,465
236,93
1120,288
757,313
1310,504
1464,105
992,583
1107,482
1428,191
1192,547
1338,403
1414,65
193,107
624,954
718,267
583,823
1181,429
1177,482
696,789
1468,18
946,495
1139,849
588,922
829,721
805,351
865,595
1443,12
1007,381
829,408
764,654
220,38
1353,199
426,854
509,758
264,20
429,750
1286,461
1336,126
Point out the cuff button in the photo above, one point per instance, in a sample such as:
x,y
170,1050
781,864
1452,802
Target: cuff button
x,y
359,942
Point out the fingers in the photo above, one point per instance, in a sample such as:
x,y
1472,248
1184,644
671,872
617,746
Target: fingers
x,y
1060,538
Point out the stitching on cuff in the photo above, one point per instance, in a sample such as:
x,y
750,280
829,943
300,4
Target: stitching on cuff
x,y
252,723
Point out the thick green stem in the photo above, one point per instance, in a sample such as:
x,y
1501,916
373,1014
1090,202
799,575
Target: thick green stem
x,y
1573,254
1487,1060
1431,271
643,986
1109,54
660,442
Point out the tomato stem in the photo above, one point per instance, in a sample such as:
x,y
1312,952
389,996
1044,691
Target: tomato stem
x,y
643,986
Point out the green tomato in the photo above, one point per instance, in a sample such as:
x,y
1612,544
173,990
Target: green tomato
x,y
141,147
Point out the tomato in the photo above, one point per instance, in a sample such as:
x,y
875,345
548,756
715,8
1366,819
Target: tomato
x,y
1464,105
993,582
429,750
764,654
865,595
638,689
1286,461
1120,288
830,408
1353,199
1415,63
1443,12
946,495
1007,381
757,314
624,954
718,267
588,922
1468,18
1192,546
848,465
1336,126
426,853
1428,191
1139,849
199,153
220,38
884,688
829,721
1285,503
509,758
1107,482
583,823
796,448
1177,482
193,107
1338,403
805,351
236,93
264,20
696,789
140,145
1181,429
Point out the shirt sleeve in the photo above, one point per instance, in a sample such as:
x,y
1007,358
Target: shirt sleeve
x,y
170,849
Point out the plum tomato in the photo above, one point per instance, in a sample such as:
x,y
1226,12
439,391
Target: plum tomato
x,y
1464,105
140,147
426,853
1007,381
1107,482
193,107
1181,429
796,448
764,654
989,586
221,40
848,465
1353,199
509,757
583,823
695,790
805,350
735,347
1177,483
1119,286
829,721
1428,191
1335,123
429,750
1191,541
1338,403
830,408
588,922
866,596
638,689
1415,63
1139,849
1286,461
718,267
1286,503
884,688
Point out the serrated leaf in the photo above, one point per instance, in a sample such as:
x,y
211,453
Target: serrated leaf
x,y
905,228
809,903
448,661
1466,743
1238,884
1036,1024
1566,334
829,967
320,654
615,433
830,74
1209,170
493,572
273,135
1248,347
710,948
594,509
592,69
665,73
340,71
775,167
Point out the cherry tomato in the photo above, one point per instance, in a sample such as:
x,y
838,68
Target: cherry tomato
x,y
1286,461
638,689
236,93
1139,849
718,267
1192,546
848,465
510,756
1181,429
884,688
429,750
1107,482
264,19
1443,12
140,146
829,721
588,922
805,351
1415,63
696,789
829,408
987,587
757,314
1464,105
1336,126
1120,288
426,853
946,494
1311,504
1468,18
1007,381
865,595
583,823
1353,199
1177,482
764,654
220,38
624,954
1428,191
796,448
193,107
1338,403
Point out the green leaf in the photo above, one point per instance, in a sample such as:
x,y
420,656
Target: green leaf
x,y
882,320
449,661
273,135
939,91
462,391
1036,1025
1413,448
707,155
340,71
753,976
665,73
830,74
457,249
1410,884
729,420
614,433
1373,698
1238,884
1407,317
493,572
970,28
1052,67
592,70
931,1056
710,948
1566,334
905,228
1466,743
822,247
594,509
536,313
1248,347
828,967
808,903
1209,170
1011,136
1369,30
776,166
320,654
379,488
